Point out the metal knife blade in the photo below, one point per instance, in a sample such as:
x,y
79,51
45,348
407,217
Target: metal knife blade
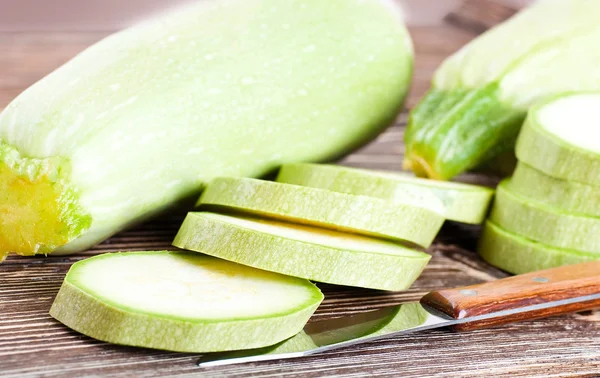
x,y
326,335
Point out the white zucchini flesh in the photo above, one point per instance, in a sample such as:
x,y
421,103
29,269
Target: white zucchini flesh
x,y
561,137
309,252
182,302
574,119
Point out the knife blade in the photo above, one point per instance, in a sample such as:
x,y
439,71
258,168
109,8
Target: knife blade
x,y
528,296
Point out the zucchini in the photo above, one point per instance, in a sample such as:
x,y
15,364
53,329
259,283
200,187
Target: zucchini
x,y
560,138
397,318
542,223
402,317
182,302
516,254
454,201
480,95
143,120
323,208
566,195
302,251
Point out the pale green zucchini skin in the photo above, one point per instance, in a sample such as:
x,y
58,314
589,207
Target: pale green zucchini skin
x,y
543,223
554,156
146,117
454,201
99,317
569,196
480,95
323,208
394,268
516,254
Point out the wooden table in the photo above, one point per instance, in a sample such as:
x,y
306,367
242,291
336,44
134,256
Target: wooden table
x,y
33,344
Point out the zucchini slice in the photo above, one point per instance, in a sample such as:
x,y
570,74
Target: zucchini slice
x,y
454,201
566,195
516,254
542,223
561,138
324,208
183,302
309,252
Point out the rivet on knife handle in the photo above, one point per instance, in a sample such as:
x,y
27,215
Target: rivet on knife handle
x,y
517,292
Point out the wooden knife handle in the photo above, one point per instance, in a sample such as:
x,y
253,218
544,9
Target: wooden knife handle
x,y
516,292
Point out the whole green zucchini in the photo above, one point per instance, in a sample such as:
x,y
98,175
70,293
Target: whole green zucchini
x,y
480,95
143,119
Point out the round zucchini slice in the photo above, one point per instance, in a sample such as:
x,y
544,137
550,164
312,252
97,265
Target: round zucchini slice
x,y
315,253
454,201
516,254
324,208
546,224
566,195
560,138
184,302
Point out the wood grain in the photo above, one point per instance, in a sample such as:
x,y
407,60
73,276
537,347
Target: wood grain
x,y
517,292
480,15
34,345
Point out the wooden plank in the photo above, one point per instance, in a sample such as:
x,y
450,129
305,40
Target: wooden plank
x,y
33,344
480,15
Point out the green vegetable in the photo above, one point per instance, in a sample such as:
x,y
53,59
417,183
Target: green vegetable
x,y
454,201
480,95
560,138
302,251
144,119
566,195
182,302
324,208
516,254
542,223
398,318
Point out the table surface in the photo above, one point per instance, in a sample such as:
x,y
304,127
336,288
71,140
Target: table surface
x,y
34,344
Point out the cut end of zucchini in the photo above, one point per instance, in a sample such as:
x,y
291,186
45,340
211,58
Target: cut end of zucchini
x,y
38,213
182,302
452,131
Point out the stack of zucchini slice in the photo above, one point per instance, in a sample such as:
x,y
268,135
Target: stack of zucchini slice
x,y
548,213
330,224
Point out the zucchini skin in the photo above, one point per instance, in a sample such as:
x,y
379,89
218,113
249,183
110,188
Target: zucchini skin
x,y
453,131
517,255
569,196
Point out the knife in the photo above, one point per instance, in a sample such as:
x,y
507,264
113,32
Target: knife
x,y
524,297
